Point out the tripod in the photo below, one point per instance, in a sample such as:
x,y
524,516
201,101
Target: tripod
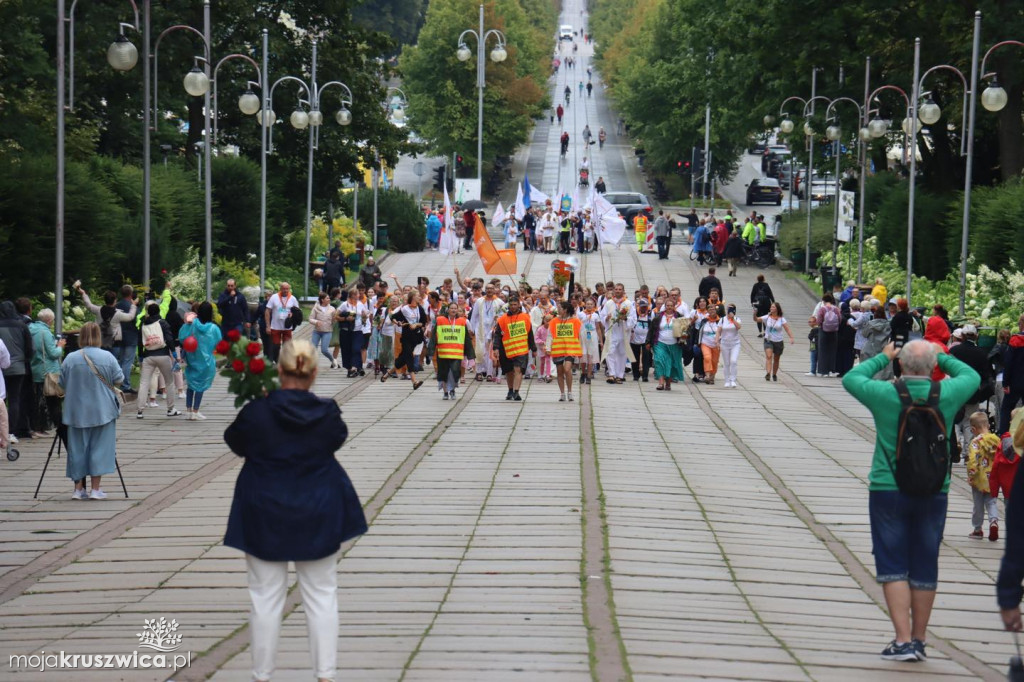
x,y
58,441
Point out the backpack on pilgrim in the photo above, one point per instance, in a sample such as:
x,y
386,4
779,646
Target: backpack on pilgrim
x,y
153,336
830,320
922,448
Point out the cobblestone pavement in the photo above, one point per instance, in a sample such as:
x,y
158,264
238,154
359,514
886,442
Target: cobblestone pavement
x,y
704,533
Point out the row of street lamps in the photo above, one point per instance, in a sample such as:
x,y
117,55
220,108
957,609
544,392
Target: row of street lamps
x,y
874,126
122,55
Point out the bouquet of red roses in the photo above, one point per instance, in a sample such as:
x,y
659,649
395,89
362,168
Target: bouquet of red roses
x,y
248,375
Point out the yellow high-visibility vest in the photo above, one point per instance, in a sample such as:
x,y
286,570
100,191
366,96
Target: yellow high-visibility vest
x,y
565,337
451,338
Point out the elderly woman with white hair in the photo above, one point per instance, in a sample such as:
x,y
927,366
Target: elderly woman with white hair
x,y
46,357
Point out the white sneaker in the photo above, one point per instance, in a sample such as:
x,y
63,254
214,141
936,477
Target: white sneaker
x,y
334,364
198,416
569,396
138,415
811,374
11,438
82,494
181,394
97,494
173,413
562,398
152,403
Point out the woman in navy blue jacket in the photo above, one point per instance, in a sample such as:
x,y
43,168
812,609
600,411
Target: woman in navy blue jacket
x,y
293,502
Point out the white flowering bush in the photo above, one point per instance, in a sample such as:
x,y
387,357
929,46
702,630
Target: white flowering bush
x,y
993,298
188,282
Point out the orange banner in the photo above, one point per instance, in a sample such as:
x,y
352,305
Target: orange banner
x,y
496,261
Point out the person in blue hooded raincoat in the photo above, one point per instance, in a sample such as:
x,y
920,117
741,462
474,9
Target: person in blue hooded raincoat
x,y
200,367
433,231
293,502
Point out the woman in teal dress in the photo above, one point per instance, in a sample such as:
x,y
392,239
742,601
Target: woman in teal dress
x,y
200,367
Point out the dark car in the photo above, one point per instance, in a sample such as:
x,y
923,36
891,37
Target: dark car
x,y
764,190
628,204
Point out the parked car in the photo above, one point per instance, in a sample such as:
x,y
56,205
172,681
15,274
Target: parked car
x,y
565,32
757,147
628,204
764,190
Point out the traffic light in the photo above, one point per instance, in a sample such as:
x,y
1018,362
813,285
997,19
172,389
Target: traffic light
x,y
682,167
439,177
458,163
700,161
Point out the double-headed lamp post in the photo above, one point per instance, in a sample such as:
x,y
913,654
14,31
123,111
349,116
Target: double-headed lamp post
x,y
835,133
498,55
122,55
301,120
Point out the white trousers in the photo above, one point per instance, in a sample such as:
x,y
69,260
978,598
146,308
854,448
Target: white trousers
x,y
730,357
268,586
615,359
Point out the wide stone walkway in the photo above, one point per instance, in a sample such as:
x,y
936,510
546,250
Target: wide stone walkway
x,y
728,537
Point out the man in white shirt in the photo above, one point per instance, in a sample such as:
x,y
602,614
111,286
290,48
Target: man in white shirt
x,y
486,311
279,310
614,316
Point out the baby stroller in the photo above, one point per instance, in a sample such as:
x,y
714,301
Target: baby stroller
x,y
584,177
12,453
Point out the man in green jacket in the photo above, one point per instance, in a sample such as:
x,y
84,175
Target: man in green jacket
x,y
906,531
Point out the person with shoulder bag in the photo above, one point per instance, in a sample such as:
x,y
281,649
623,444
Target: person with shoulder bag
x,y
46,372
92,404
666,347
157,341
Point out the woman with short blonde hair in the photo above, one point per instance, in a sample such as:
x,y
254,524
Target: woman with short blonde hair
x,y
293,502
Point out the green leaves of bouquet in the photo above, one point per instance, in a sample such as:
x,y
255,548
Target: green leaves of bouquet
x,y
248,375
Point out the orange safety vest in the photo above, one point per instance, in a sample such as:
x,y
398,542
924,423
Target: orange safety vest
x,y
451,338
565,337
640,223
515,334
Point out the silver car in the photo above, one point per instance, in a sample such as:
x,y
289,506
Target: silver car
x,y
628,204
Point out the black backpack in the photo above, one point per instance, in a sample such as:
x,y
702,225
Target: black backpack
x,y
922,449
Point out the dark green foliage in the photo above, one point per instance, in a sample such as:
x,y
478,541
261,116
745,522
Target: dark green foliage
x,y
397,209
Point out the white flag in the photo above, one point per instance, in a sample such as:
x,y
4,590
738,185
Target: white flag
x,y
449,241
499,216
520,208
608,224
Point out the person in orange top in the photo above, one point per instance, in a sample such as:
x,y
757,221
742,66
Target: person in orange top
x,y
452,338
513,341
565,344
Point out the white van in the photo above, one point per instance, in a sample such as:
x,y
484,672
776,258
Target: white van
x,y
565,32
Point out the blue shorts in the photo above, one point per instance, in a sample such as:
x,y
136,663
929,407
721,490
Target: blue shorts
x,y
905,536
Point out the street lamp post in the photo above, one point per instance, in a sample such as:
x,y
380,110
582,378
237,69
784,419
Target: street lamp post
x,y
993,98
498,54
930,113
300,120
834,133
197,84
915,93
378,165
122,55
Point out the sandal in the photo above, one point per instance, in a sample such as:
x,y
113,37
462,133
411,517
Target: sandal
x,y
610,380
479,377
660,388
416,384
383,377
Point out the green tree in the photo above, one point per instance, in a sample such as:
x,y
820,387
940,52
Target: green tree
x,y
442,90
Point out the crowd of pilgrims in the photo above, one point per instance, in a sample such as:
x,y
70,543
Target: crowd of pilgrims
x,y
461,327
